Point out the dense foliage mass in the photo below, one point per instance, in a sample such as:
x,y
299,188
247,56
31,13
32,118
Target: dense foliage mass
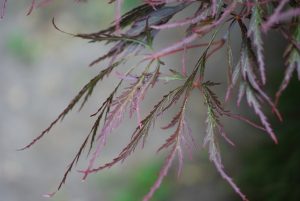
x,y
132,35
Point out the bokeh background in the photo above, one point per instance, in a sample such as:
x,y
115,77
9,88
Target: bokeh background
x,y
42,69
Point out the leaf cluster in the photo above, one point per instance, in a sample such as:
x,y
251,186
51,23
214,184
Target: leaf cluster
x,y
132,34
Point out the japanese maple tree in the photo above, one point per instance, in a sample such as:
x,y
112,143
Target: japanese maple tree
x,y
132,35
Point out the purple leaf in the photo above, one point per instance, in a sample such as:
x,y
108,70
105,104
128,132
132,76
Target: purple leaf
x,y
163,172
252,101
292,62
254,31
3,7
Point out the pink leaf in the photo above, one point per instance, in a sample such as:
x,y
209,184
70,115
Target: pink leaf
x,y
274,18
163,172
229,180
3,7
187,21
252,101
31,7
118,15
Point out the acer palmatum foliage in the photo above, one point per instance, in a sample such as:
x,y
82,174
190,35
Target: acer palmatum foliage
x,y
132,34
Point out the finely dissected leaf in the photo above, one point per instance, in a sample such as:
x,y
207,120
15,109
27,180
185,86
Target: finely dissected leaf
x,y
242,90
211,141
199,16
254,31
230,79
141,132
135,31
252,101
174,121
247,67
155,3
279,16
211,99
85,91
118,107
197,33
104,109
215,109
70,166
139,32
292,62
178,120
163,172
175,141
251,87
2,8
214,152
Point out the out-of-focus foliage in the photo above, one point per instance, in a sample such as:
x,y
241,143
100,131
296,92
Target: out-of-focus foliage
x,y
22,48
